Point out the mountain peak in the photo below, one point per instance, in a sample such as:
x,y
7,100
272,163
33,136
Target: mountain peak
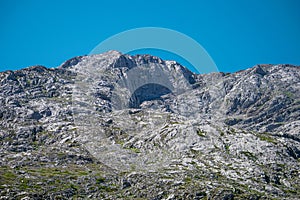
x,y
111,125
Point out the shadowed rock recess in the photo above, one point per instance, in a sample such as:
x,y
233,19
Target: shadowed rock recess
x,y
114,126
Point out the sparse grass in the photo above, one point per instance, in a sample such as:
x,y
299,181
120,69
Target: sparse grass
x,y
289,94
201,133
249,155
6,175
175,122
120,142
231,131
100,180
227,146
188,180
222,133
135,150
38,179
24,184
48,172
106,188
266,137
290,191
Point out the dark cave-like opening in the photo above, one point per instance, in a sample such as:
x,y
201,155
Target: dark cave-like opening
x,y
147,92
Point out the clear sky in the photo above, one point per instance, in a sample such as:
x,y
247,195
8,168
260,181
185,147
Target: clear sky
x,y
236,34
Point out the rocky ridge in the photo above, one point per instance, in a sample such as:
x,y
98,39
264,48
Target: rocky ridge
x,y
114,126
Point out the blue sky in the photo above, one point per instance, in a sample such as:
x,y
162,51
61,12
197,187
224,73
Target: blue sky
x,y
236,34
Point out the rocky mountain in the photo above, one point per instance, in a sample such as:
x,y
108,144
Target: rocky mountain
x,y
114,126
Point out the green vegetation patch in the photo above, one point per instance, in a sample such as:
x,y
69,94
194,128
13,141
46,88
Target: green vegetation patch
x,y
201,133
249,155
266,137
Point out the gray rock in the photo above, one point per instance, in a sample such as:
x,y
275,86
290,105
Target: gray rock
x,y
114,126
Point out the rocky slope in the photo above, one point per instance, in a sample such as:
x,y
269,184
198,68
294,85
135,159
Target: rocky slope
x,y
115,126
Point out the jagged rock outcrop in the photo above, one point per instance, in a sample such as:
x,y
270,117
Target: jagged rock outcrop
x,y
114,126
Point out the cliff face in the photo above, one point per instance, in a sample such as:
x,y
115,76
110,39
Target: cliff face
x,y
115,126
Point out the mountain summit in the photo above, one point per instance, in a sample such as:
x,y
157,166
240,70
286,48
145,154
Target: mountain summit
x,y
115,126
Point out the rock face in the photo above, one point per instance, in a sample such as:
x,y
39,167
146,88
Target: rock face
x,y
114,126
